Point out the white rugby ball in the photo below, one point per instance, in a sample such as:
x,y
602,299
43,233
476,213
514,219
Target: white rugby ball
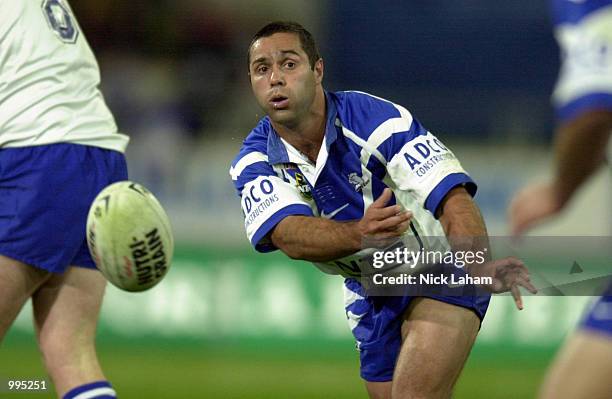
x,y
129,236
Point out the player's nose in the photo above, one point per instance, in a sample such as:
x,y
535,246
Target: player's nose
x,y
277,77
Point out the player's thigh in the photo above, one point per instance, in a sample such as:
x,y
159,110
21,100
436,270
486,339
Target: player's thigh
x,y
582,369
17,282
437,339
66,307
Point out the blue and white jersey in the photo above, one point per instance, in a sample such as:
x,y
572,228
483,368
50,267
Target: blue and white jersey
x,y
583,29
369,144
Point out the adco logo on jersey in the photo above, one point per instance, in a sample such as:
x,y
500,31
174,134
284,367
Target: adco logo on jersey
x,y
426,152
256,199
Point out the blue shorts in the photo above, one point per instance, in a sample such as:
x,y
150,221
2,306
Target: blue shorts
x,y
599,316
45,194
376,325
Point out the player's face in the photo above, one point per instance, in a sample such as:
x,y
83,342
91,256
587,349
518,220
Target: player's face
x,y
281,78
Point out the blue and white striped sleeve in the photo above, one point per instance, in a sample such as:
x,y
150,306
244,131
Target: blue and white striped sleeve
x,y
266,199
416,161
584,33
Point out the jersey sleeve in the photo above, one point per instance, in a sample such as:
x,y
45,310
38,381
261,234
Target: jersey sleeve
x,y
584,34
419,163
266,199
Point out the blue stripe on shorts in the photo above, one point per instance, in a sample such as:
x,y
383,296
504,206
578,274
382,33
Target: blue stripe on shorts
x,y
599,316
376,323
45,194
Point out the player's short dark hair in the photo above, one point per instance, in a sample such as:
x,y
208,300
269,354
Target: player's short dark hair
x,y
306,40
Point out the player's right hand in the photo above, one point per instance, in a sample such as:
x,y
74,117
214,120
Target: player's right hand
x,y
381,222
507,274
532,205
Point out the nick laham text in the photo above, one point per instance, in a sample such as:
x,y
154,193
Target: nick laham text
x,y
430,279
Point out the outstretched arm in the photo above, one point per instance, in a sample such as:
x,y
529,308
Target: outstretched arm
x,y
466,231
320,240
580,148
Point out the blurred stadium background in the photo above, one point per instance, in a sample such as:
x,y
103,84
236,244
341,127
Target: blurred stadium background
x,y
229,323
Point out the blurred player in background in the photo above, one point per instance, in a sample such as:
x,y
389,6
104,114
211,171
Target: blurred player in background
x,y
583,101
59,147
323,172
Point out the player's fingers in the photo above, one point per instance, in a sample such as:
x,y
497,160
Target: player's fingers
x,y
516,265
518,271
385,235
383,199
516,294
393,222
402,227
524,282
514,261
383,213
516,275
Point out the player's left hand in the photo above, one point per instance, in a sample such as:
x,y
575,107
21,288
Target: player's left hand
x,y
532,205
508,274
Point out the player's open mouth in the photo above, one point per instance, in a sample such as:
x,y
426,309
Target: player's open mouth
x,y
279,102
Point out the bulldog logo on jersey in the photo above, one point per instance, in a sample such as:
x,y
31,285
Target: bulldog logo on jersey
x,y
357,181
60,19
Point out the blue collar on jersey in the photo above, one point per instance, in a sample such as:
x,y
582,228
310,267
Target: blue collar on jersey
x,y
277,153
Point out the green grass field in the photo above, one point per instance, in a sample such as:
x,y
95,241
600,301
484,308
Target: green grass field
x,y
258,371
259,364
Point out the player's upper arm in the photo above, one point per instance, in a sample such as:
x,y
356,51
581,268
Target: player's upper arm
x,y
418,162
266,199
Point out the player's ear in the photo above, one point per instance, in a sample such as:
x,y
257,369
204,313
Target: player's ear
x,y
318,70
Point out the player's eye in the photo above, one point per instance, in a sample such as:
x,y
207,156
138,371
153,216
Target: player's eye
x,y
261,69
290,64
